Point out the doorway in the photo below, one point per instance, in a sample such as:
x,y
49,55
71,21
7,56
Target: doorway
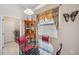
x,y
10,24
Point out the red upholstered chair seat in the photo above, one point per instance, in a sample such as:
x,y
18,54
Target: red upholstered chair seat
x,y
45,38
27,48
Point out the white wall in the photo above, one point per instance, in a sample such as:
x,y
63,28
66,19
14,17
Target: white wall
x,y
11,10
69,32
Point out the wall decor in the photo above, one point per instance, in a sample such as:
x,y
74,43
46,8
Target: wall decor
x,y
66,16
72,16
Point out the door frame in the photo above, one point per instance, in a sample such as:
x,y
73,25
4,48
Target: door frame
x,y
1,37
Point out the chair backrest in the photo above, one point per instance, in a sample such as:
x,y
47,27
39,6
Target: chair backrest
x,y
59,51
22,40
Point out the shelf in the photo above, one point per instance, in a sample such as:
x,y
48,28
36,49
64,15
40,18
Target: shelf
x,y
28,28
47,24
32,28
43,24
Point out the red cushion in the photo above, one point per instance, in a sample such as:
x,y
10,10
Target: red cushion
x,y
45,38
27,48
22,40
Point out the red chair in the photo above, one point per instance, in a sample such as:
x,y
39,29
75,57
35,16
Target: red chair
x,y
26,48
23,41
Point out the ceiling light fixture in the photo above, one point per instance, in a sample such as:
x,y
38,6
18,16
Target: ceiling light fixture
x,y
28,11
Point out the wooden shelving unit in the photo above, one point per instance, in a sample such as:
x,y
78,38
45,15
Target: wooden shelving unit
x,y
30,29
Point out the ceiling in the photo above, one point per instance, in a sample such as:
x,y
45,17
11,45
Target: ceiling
x,y
30,6
38,8
45,7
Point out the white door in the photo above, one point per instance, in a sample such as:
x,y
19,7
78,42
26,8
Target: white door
x,y
9,25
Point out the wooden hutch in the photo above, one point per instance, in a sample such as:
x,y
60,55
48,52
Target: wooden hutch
x,y
30,30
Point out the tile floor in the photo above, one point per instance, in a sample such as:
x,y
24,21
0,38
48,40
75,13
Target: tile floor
x,y
11,48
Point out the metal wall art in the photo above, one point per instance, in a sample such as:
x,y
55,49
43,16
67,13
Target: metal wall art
x,y
72,16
